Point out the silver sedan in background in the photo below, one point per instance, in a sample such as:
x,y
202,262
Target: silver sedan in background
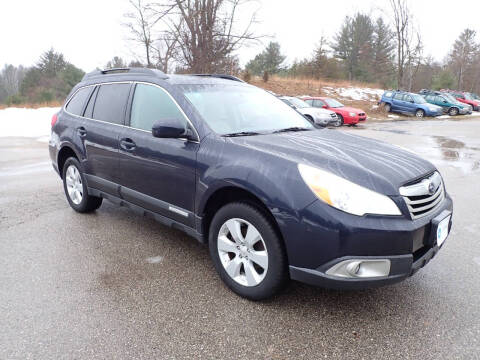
x,y
318,116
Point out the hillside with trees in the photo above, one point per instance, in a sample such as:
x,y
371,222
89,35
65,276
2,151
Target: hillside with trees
x,y
205,36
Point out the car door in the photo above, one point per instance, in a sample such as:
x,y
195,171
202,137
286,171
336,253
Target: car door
x,y
409,104
397,102
156,173
105,117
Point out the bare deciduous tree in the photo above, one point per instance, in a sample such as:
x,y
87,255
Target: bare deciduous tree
x,y
403,29
205,31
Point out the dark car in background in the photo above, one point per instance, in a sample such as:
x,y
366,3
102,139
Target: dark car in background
x,y
450,105
236,168
346,115
408,103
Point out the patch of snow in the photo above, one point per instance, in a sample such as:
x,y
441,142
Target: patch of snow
x,y
391,116
443,117
360,93
23,122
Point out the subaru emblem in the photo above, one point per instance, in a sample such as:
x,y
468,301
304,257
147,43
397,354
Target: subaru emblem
x,y
431,188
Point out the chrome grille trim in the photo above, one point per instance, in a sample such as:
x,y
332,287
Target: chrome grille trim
x,y
428,202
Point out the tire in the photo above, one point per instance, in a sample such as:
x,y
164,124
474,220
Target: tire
x,y
75,188
388,108
309,118
266,277
339,122
453,111
420,113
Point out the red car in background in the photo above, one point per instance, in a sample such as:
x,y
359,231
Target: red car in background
x,y
465,98
346,115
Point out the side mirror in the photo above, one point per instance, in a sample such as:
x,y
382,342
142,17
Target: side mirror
x,y
170,128
324,106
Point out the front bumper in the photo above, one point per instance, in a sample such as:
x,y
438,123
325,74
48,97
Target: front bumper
x,y
331,237
435,113
402,266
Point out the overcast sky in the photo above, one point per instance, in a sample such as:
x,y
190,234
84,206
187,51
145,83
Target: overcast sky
x,y
89,32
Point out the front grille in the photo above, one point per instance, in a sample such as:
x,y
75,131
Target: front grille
x,y
420,201
361,114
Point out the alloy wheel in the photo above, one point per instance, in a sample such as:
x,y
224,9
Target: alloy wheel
x,y
74,184
242,252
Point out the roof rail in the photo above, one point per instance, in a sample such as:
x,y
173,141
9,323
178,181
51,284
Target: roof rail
x,y
145,71
221,76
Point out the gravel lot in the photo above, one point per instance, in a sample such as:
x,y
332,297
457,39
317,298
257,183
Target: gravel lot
x,y
115,285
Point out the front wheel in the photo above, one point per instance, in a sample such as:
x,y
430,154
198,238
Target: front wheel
x,y
75,188
387,108
339,121
420,113
247,252
453,112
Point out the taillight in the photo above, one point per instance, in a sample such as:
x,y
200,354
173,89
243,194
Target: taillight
x,y
54,119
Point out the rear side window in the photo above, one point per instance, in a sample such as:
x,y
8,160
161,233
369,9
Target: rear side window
x,y
151,104
309,101
398,96
110,103
318,103
76,103
89,110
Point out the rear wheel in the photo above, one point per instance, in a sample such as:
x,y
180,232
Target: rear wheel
x,y
75,188
339,121
247,252
420,113
453,111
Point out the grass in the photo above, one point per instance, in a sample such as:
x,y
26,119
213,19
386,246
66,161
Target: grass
x,y
305,86
32,105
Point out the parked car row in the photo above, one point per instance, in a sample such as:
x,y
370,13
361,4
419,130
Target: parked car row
x,y
430,103
324,111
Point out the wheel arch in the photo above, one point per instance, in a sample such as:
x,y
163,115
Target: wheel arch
x,y
65,152
228,194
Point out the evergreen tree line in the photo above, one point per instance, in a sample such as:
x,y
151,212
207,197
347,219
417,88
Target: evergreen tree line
x,y
364,49
51,79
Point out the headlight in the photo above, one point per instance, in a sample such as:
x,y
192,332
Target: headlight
x,y
345,195
352,114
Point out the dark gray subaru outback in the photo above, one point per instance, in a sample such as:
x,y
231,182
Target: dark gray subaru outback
x,y
236,168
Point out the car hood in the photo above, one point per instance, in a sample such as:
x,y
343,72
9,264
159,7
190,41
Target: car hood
x,y
316,111
350,109
373,164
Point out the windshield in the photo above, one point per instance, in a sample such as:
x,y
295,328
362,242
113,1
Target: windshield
x,y
297,102
418,99
231,109
333,103
450,98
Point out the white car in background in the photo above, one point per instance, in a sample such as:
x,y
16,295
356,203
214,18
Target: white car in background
x,y
318,116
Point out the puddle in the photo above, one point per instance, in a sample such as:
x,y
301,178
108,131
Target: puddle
x,y
457,153
154,259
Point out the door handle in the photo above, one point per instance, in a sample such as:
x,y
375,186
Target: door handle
x,y
127,144
81,131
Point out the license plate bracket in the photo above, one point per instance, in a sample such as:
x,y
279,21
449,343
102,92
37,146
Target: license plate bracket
x,y
440,228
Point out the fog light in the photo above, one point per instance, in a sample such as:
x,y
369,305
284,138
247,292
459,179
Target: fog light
x,y
360,268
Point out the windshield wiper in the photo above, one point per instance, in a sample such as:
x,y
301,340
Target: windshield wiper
x,y
293,128
242,133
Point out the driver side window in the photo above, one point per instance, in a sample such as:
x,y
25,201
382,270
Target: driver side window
x,y
151,104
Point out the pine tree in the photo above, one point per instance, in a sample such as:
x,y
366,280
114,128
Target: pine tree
x,y
462,55
269,60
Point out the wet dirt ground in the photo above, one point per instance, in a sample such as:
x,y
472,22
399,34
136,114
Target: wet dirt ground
x,y
115,285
